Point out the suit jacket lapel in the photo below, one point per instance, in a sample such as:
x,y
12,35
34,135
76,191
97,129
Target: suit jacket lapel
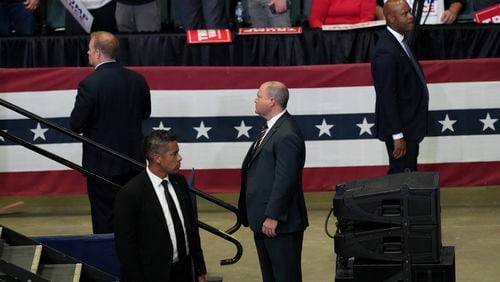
x,y
269,135
413,62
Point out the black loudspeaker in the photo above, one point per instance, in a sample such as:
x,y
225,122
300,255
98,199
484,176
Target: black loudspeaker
x,y
422,242
362,270
393,199
392,218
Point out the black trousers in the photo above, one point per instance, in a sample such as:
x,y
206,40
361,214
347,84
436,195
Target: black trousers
x,y
280,257
182,270
102,200
407,163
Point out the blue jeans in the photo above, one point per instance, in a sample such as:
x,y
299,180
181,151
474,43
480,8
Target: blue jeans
x,y
15,17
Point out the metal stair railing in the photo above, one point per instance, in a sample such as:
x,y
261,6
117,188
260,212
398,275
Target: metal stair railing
x,y
49,256
226,235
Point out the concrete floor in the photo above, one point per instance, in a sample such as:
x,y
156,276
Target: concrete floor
x,y
470,222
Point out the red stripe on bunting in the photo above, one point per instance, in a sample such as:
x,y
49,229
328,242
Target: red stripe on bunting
x,y
205,78
228,180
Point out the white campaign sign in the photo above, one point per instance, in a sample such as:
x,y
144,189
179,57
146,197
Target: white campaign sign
x,y
80,13
432,12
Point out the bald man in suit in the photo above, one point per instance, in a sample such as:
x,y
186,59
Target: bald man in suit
x,y
402,100
271,199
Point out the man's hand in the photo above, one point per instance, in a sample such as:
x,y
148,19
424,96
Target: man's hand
x,y
399,148
202,278
448,17
31,4
279,5
269,227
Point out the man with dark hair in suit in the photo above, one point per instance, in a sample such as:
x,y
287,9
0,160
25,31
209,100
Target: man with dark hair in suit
x,y
109,108
271,198
156,234
402,102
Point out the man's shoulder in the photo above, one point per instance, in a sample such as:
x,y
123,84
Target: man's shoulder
x,y
98,75
136,184
288,120
132,73
104,73
385,46
384,39
289,127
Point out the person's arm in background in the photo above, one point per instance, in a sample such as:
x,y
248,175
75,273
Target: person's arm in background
x,y
379,10
280,6
81,114
319,11
31,4
450,15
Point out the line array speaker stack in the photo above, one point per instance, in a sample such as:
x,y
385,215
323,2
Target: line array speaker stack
x,y
389,229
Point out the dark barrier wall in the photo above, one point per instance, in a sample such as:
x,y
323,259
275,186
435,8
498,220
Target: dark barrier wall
x,y
313,47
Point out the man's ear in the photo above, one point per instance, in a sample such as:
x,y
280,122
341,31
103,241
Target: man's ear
x,y
156,158
272,100
389,19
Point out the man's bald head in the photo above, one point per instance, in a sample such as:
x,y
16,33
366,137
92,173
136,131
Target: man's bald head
x,y
106,43
278,91
398,16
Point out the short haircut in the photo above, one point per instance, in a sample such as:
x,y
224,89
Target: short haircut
x,y
154,142
388,7
106,43
279,92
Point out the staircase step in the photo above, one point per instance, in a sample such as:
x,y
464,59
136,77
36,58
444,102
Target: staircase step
x,y
61,272
27,257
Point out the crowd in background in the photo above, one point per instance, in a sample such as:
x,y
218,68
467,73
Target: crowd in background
x,y
28,17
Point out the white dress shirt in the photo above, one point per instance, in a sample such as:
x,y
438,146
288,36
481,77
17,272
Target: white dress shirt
x,y
160,193
110,61
271,122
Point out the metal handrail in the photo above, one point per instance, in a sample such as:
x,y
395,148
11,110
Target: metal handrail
x,y
56,158
64,130
206,196
228,237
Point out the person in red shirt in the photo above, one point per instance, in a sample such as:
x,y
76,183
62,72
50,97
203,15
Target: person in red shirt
x,y
324,12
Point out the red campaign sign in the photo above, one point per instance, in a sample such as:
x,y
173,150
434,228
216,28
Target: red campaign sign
x,y
202,36
488,15
270,30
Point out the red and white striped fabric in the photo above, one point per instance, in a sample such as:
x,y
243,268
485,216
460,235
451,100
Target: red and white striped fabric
x,y
212,111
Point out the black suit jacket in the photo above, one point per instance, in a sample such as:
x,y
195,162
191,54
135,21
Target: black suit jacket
x,y
402,97
271,181
109,108
141,234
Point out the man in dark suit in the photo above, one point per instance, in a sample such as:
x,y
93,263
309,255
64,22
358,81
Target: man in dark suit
x,y
402,97
271,199
156,234
109,108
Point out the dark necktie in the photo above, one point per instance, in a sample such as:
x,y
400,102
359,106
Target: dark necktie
x,y
412,59
258,139
415,66
179,231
